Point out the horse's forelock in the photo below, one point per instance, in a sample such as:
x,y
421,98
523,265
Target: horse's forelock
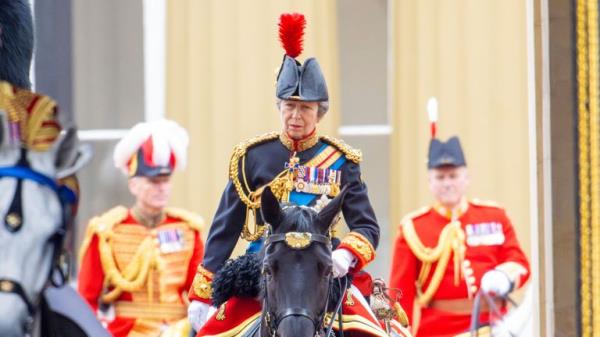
x,y
298,219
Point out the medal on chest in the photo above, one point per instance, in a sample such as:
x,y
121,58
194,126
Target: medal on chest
x,y
170,240
484,234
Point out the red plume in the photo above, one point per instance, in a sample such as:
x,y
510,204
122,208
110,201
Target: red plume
x,y
291,33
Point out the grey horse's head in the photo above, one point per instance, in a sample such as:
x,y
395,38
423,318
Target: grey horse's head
x,y
27,252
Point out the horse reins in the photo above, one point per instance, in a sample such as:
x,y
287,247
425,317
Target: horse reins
x,y
493,309
13,222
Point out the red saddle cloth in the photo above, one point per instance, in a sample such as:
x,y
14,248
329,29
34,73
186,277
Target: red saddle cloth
x,y
236,316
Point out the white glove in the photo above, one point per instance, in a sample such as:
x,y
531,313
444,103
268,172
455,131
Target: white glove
x,y
496,282
342,261
198,313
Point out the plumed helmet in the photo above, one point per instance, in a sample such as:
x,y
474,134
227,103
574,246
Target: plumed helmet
x,y
296,81
152,149
441,153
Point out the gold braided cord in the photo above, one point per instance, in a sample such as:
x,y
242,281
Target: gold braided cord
x,y
592,12
250,198
239,153
135,274
451,242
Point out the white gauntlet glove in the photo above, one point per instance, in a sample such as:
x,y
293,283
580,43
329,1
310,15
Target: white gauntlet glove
x,y
198,313
496,282
342,261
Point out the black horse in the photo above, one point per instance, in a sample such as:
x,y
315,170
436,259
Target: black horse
x,y
297,268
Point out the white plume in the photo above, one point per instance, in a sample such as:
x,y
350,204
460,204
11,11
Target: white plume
x,y
167,136
432,109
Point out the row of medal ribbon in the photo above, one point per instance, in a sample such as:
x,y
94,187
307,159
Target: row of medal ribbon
x,y
316,180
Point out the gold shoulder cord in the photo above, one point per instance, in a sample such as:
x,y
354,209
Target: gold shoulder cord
x,y
451,240
250,198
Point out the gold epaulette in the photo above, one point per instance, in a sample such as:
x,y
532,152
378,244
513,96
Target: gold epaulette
x,y
415,214
486,203
239,151
35,115
354,155
195,221
102,224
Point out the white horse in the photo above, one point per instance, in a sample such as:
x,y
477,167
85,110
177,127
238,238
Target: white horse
x,y
35,213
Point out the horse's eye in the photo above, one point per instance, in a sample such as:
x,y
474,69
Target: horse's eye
x,y
267,270
324,269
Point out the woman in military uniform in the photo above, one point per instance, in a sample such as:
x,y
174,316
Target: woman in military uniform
x,y
300,166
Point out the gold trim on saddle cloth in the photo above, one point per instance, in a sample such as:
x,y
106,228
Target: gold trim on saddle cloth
x,y
356,322
239,330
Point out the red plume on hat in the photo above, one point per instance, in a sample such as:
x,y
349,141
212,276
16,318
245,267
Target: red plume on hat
x,y
291,33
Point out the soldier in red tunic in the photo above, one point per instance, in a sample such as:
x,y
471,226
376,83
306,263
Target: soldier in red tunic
x,y
447,252
138,263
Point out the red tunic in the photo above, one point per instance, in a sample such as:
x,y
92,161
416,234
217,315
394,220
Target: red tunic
x,y
490,242
92,274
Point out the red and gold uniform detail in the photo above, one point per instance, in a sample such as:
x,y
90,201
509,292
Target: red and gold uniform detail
x,y
240,313
143,272
201,289
32,117
360,247
433,251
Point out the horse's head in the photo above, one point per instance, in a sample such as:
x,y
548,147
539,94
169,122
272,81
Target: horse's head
x,y
35,210
297,266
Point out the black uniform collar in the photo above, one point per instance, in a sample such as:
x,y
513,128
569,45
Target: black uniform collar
x,y
299,145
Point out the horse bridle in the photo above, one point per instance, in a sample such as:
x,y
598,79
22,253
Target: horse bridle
x,y
13,222
295,240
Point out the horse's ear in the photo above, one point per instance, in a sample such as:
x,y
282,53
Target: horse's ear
x,y
269,207
70,154
329,212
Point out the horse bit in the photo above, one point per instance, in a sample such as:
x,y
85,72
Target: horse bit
x,y
13,222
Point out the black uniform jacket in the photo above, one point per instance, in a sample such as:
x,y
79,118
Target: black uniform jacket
x,y
263,162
